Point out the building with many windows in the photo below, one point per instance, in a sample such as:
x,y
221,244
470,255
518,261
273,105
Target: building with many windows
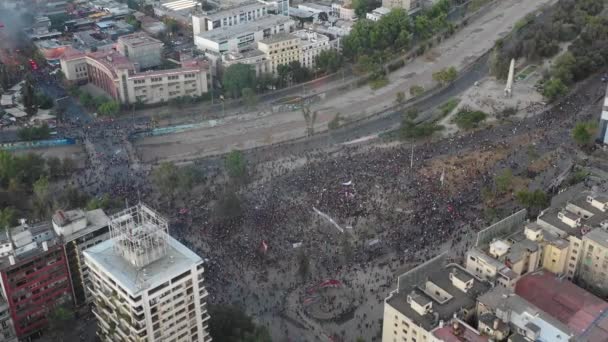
x,y
146,285
408,5
80,230
244,36
7,330
229,17
34,277
280,49
311,45
119,78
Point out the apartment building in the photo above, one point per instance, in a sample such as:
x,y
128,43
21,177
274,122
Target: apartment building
x,y
280,49
427,298
7,330
244,36
80,230
141,49
34,277
234,16
147,286
118,77
311,44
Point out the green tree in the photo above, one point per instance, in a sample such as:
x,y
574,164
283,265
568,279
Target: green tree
x,y
469,119
584,133
171,24
303,265
42,204
554,88
251,99
8,167
238,77
68,165
43,101
533,200
131,20
361,7
236,166
229,206
503,181
28,96
445,75
231,324
5,78
400,97
7,218
53,165
165,177
416,90
110,108
329,61
86,99
60,321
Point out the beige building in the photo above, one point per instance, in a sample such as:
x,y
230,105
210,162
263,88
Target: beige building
x,y
141,49
119,78
255,58
311,45
429,297
568,240
593,272
280,49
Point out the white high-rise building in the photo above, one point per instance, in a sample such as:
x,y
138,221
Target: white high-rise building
x,y
146,285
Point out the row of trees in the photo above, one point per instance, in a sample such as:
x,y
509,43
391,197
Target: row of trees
x,y
103,105
238,77
395,31
34,133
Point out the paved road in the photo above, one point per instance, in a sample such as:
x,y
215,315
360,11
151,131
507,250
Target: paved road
x,y
250,130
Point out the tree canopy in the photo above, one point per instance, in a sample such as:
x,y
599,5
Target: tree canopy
x,y
230,324
238,77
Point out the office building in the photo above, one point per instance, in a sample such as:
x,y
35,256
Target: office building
x,y
244,36
280,49
229,17
119,78
80,230
147,286
141,49
34,277
427,298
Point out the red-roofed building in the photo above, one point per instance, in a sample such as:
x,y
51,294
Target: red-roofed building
x,y
458,331
584,313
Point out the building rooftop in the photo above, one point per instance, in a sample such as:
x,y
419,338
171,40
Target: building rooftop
x,y
234,11
458,332
231,32
138,39
549,216
177,260
417,290
521,312
278,38
580,310
598,236
93,220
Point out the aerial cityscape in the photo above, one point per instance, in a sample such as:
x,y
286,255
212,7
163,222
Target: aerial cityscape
x,y
294,171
